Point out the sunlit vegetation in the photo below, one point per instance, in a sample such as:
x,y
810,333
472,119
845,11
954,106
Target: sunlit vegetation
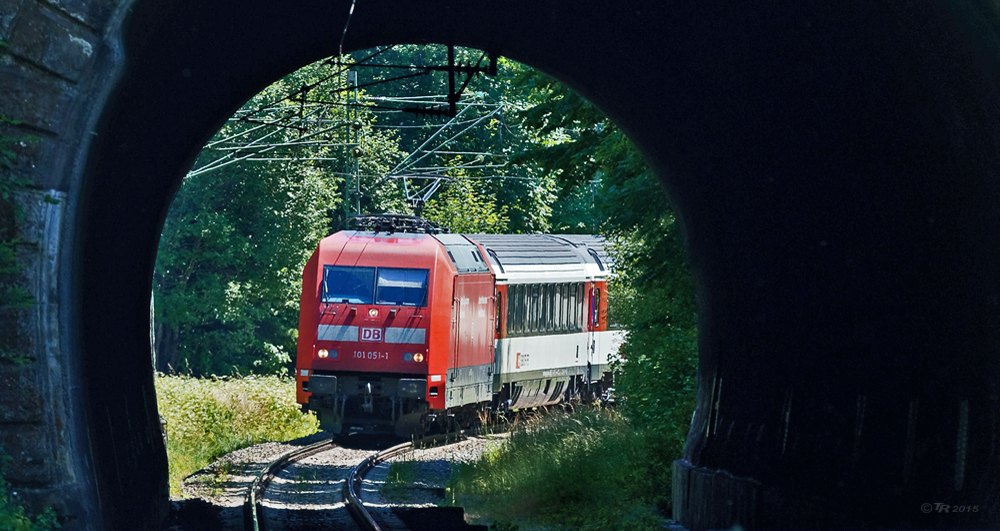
x,y
589,470
545,160
402,474
652,293
210,417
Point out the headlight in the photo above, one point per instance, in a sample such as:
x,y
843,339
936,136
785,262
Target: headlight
x,y
418,357
323,353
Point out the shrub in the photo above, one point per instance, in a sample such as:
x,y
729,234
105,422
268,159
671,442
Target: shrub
x,y
589,470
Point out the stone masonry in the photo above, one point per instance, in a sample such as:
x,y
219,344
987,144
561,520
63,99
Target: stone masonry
x,y
55,59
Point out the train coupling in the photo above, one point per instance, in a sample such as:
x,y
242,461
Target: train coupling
x,y
368,405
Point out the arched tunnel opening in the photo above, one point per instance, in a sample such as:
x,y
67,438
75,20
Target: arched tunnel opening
x,y
834,169
279,176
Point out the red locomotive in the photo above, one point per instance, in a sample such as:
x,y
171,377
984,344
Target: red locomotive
x,y
404,329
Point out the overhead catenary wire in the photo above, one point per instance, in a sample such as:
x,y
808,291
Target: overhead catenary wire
x,y
446,142
302,112
212,166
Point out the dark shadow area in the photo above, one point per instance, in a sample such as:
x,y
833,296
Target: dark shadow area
x,y
436,519
193,515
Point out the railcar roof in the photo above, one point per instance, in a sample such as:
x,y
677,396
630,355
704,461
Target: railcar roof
x,y
544,249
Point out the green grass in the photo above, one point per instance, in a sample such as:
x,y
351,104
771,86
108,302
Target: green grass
x,y
401,476
589,470
208,418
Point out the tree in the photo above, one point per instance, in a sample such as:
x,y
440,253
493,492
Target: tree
x,y
521,188
465,208
652,295
262,194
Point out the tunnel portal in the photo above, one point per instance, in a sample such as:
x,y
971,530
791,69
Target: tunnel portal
x,y
834,166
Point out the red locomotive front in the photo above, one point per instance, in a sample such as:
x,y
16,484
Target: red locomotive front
x,y
375,331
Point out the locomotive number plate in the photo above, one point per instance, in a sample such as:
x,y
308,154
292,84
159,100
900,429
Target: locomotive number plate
x,y
366,355
371,334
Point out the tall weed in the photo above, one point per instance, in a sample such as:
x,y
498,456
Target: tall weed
x,y
588,470
209,417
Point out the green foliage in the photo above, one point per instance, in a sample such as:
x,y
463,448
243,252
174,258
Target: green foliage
x,y
402,474
207,418
590,470
465,207
525,194
573,212
652,295
228,271
12,516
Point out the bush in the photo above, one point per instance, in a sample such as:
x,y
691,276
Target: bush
x,y
210,417
589,470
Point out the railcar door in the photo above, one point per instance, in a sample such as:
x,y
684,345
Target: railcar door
x,y
593,322
456,328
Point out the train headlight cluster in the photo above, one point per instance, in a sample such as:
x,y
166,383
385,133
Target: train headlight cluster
x,y
413,356
324,353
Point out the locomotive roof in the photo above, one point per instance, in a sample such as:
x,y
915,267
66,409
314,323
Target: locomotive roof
x,y
515,257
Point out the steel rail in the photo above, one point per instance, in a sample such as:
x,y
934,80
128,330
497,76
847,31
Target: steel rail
x,y
352,486
252,518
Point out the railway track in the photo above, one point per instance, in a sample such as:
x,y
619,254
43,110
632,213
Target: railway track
x,y
252,510
253,504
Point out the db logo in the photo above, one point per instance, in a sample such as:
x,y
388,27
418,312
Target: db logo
x,y
371,334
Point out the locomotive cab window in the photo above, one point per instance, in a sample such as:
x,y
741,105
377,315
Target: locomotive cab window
x,y
370,285
402,287
353,285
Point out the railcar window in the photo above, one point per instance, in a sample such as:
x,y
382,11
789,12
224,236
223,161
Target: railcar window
x,y
513,309
595,319
554,307
522,317
529,313
560,307
498,314
513,303
544,320
353,285
403,287
546,308
568,306
533,312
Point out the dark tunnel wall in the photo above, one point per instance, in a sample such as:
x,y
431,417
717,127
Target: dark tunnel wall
x,y
835,167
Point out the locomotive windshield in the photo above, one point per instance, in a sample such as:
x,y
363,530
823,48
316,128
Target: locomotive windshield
x,y
354,285
383,285
403,287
